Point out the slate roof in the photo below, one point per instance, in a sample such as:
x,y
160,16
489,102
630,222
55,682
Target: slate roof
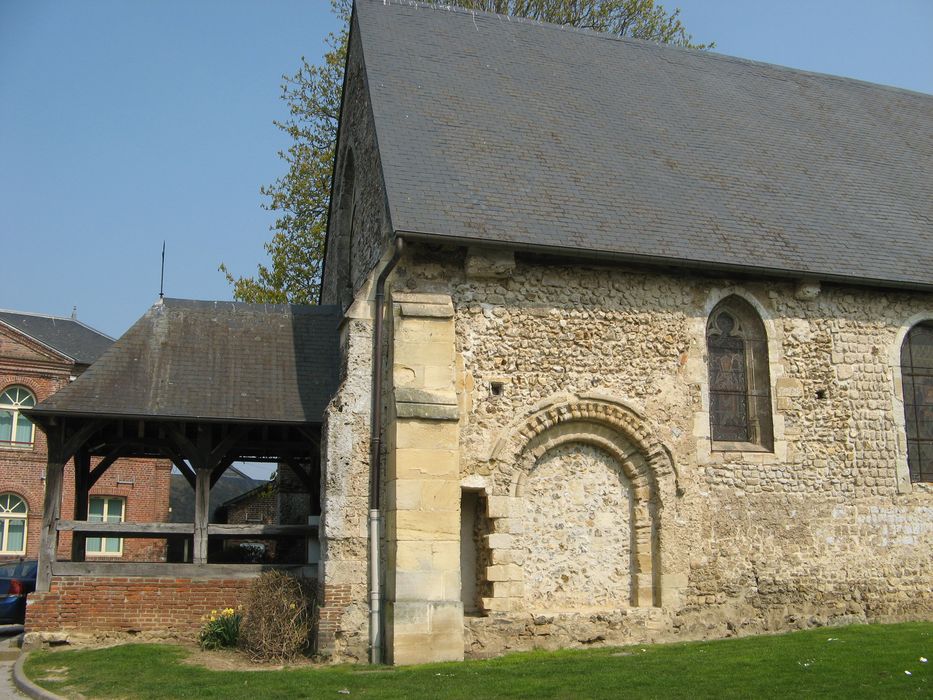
x,y
66,336
213,360
497,130
231,485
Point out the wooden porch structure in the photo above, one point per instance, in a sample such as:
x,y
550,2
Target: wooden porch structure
x,y
201,451
204,385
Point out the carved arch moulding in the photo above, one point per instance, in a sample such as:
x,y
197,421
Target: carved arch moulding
x,y
619,431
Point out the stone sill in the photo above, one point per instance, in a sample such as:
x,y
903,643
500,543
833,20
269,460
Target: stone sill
x,y
724,446
17,448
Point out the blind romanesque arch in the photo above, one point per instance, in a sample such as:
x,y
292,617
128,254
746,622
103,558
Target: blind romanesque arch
x,y
621,440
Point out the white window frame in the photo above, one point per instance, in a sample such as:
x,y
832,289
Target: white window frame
x,y
6,516
105,518
14,406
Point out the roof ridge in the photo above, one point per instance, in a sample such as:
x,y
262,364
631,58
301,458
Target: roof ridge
x,y
267,307
57,318
643,43
36,313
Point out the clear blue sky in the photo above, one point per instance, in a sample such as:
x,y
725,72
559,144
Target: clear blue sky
x,y
126,123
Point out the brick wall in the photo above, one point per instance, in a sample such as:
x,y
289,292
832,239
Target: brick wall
x,y
333,602
259,507
173,606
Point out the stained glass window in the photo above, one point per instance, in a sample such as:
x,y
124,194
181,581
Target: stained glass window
x,y
917,375
739,384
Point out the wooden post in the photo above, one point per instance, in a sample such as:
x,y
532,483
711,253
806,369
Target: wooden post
x,y
48,545
82,486
202,504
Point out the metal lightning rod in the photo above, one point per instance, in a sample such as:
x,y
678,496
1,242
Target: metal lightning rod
x,y
162,276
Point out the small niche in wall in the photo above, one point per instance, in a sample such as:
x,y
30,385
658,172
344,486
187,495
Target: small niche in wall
x,y
469,593
821,394
496,388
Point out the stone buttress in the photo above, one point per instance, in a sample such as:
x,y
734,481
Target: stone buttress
x,y
424,613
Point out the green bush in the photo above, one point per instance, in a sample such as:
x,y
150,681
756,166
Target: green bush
x,y
277,617
221,629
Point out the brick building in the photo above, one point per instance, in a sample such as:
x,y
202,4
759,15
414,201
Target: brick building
x,y
38,356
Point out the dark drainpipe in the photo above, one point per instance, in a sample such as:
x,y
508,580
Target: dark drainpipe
x,y
375,460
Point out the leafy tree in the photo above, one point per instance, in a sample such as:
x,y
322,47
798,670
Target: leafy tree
x,y
302,196
641,19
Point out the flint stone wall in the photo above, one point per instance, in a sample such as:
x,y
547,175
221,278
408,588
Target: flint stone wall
x,y
825,528
577,532
352,255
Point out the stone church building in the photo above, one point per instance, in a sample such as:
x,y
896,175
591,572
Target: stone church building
x,y
653,343
618,342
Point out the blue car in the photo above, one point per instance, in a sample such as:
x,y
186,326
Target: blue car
x,y
17,580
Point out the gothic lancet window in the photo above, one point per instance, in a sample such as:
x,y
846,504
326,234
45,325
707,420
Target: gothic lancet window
x,y
739,383
917,375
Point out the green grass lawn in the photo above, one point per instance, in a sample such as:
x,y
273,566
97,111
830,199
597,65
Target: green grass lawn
x,y
853,662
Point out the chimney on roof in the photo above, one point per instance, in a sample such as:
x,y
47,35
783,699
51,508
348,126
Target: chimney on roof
x,y
74,313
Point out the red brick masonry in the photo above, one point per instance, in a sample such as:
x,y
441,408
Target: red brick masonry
x,y
173,606
332,604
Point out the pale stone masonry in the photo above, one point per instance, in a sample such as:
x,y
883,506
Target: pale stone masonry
x,y
608,516
425,614
550,474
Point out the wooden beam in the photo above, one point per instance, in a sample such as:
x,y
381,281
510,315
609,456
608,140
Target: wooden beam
x,y
187,448
220,450
220,469
125,529
247,530
159,570
51,509
314,437
83,485
303,476
178,459
186,470
202,502
72,443
105,464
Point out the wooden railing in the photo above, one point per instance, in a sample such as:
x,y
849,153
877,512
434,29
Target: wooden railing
x,y
156,530
84,528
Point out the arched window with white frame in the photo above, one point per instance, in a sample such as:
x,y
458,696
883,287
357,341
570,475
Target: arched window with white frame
x,y
16,430
739,378
13,521
917,378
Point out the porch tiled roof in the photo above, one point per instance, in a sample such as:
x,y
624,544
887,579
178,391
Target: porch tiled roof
x,y
213,360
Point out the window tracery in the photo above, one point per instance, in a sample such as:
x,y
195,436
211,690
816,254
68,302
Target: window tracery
x,y
917,376
739,382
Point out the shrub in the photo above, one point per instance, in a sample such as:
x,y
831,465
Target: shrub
x,y
221,629
277,618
